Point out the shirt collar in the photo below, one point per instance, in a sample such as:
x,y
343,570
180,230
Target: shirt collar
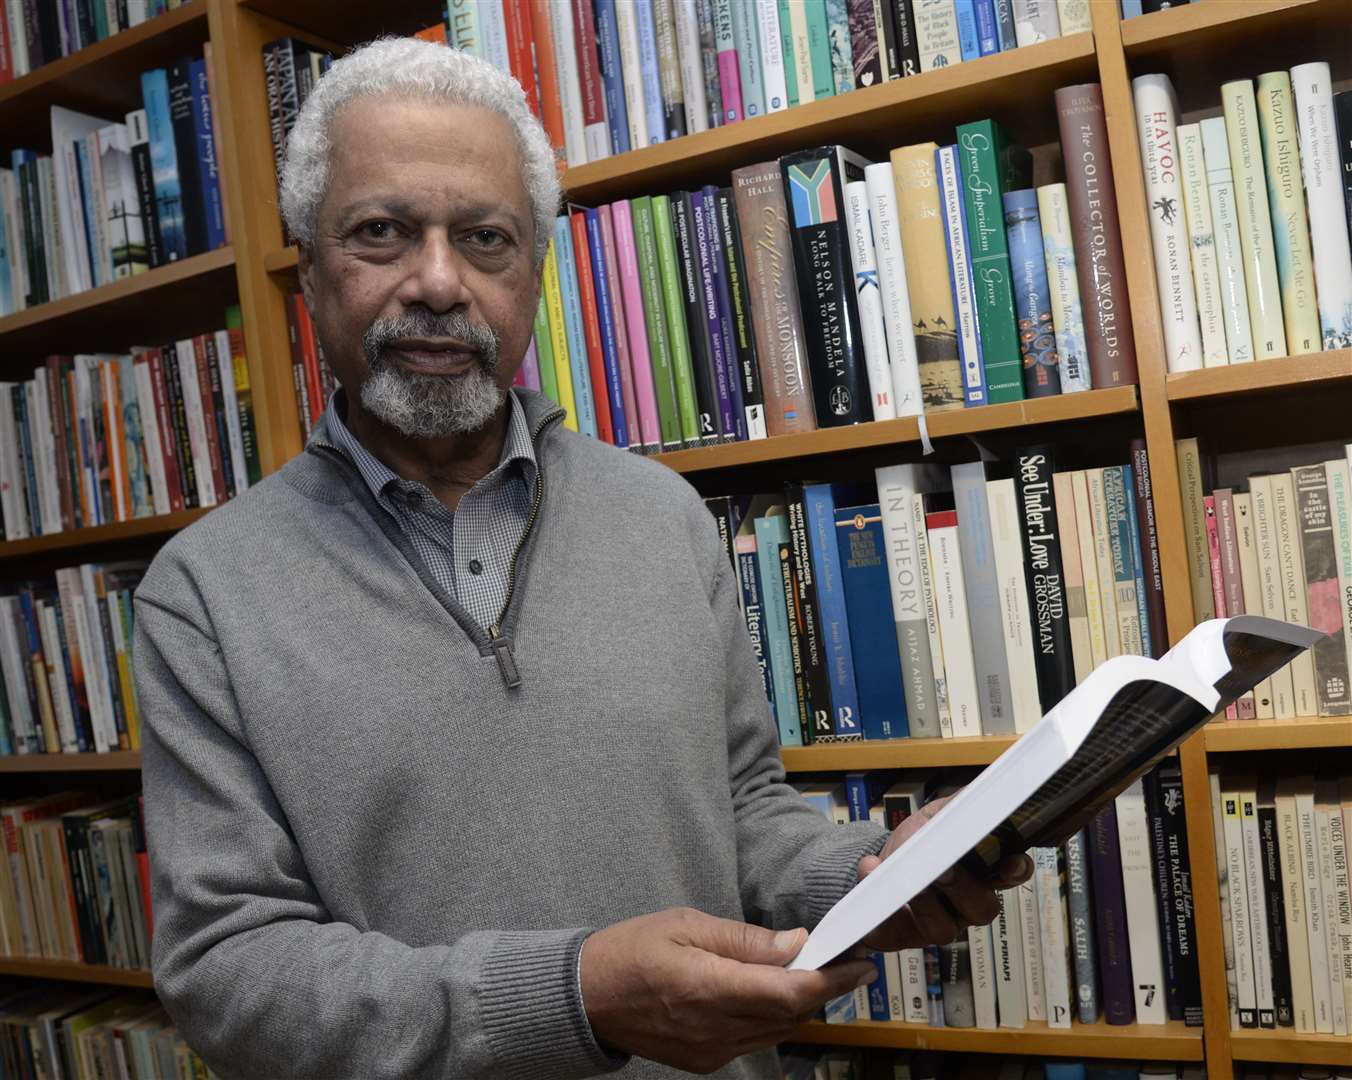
x,y
379,477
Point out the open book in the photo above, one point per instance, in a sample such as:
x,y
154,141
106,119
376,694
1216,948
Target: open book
x,y
1099,738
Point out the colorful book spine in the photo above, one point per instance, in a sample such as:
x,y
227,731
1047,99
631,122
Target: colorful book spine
x,y
677,336
612,75
164,162
650,74
1202,244
607,320
969,43
722,363
819,508
784,20
753,605
750,390
904,360
1225,228
806,610
569,77
598,392
960,276
987,28
1032,295
718,273
1042,559
1319,555
692,295
746,40
595,129
622,353
873,333
797,51
208,178
645,395
865,54
729,73
838,38
579,362
659,345
771,532
1058,252
521,52
819,50
558,337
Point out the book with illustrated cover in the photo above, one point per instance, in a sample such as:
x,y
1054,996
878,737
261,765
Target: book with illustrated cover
x,y
1106,734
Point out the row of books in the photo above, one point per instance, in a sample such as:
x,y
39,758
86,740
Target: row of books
x,y
1279,545
961,602
76,1032
1281,859
75,886
812,1063
1103,928
114,198
1251,217
311,378
37,32
97,438
66,662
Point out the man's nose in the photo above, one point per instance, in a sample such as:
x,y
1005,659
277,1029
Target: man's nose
x,y
436,277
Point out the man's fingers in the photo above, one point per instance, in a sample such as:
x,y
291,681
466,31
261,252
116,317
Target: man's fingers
x,y
1013,870
760,991
742,941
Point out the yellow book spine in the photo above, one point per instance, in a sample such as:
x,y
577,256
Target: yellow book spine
x,y
558,338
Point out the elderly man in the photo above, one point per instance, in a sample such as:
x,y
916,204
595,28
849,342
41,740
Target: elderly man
x,y
456,760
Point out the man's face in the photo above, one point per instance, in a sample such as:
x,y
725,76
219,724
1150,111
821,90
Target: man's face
x,y
421,279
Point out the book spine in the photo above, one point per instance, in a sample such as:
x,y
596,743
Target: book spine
x,y
1255,220
951,600
980,146
1271,882
1339,904
1143,931
960,277
969,44
622,352
907,41
925,563
685,15
987,27
936,30
544,345
1314,850
798,52
567,71
1098,240
1156,109
708,51
637,331
1202,244
1115,495
552,293
753,610
1251,586
213,417
1103,561
865,55
747,368
1032,299
1342,114
1007,543
770,532
1234,302
879,224
209,186
677,336
1148,548
1270,576
669,69
746,41
1291,566
700,342
1058,251
164,164
631,73
838,41
1034,21
774,68
193,206
595,129
599,396
1042,561
1293,906
1245,979
824,553
1169,945
659,345
1011,997
729,76
706,229
1080,909
1232,584
982,951
1033,979
1190,486
1258,915
1319,556
1049,877
807,611
1286,202
867,292
579,354
145,186
607,328
797,645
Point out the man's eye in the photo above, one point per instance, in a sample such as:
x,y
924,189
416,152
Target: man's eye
x,y
376,230
488,238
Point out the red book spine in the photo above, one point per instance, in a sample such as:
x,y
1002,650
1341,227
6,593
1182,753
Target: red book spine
x,y
314,379
589,69
298,364
168,445
591,326
551,110
6,63
199,351
143,862
521,51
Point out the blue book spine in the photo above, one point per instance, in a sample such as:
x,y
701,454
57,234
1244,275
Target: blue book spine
x,y
1063,1070
1131,8
704,210
857,795
1004,19
960,270
746,34
968,40
873,629
753,608
820,508
770,533
25,433
98,272
878,1007
1137,566
1032,295
164,164
987,28
207,167
608,40
606,315
572,320
654,112
718,270
33,637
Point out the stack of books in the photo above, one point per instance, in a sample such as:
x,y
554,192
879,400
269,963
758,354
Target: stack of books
x,y
1251,218
37,32
115,197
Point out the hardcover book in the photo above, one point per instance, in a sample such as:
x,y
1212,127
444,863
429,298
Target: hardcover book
x,y
1032,299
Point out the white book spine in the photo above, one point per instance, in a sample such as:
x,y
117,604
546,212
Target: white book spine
x,y
1034,21
870,300
79,274
896,988
150,423
98,514
1093,600
1010,992
925,562
1341,921
802,51
960,272
1255,219
1223,887
1251,585
773,78
893,290
1340,507
1077,609
1031,946
61,703
102,677
1074,16
493,33
1270,580
1156,109
14,661
692,66
1258,918
915,1004
1324,194
1058,250
39,413
1225,228
234,435
44,466
1055,939
950,594
1202,244
936,33
18,38
72,607
631,75
1293,905
100,256
1012,583
1103,563
1311,858
1291,563
980,951
197,430
1326,808
570,83
1143,930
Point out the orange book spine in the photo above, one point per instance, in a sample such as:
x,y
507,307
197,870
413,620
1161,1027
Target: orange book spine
x,y
521,51
591,326
314,379
551,109
117,434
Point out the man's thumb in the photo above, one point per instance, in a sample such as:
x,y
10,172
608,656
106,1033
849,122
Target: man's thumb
x,y
756,945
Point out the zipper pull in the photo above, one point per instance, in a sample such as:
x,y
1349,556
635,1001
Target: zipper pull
x,y
502,649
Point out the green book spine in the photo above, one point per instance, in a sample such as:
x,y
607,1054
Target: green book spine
x,y
659,347
786,49
980,148
544,353
819,42
682,368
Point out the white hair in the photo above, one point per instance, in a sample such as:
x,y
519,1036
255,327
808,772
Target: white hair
x,y
423,70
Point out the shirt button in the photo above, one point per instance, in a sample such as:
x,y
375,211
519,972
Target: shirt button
x,y
475,566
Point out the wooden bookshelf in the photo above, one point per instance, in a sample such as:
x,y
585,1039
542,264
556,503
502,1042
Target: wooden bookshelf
x,y
1223,736
1286,1047
1166,1042
896,754
1313,371
64,970
99,536
112,761
1219,23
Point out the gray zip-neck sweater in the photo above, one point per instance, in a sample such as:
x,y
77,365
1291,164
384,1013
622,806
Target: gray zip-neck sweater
x,y
379,832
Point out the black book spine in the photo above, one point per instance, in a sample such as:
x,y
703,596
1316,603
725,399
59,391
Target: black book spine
x,y
145,198
1173,992
79,700
816,199
123,19
1004,15
1150,548
808,613
84,17
908,45
743,337
725,516
81,887
1342,112
1080,909
185,146
37,261
1110,918
692,293
32,32
790,588
1186,968
887,31
1046,580
1276,914
218,412
187,473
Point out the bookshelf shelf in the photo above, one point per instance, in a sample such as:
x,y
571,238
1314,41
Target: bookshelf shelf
x,y
91,973
114,761
1291,1048
1310,370
870,120
895,754
140,528
1322,731
350,20
1168,1042
284,261
1175,29
102,79
880,433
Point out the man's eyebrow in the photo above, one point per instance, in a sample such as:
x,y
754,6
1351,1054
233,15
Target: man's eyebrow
x,y
397,206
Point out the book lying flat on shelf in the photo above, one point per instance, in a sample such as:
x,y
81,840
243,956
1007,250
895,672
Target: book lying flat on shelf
x,y
1095,743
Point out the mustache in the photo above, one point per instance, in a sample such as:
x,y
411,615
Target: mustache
x,y
421,323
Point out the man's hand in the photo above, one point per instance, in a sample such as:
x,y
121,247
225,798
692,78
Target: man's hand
x,y
956,901
692,991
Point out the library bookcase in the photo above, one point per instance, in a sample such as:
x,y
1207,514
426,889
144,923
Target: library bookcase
x,y
1250,408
